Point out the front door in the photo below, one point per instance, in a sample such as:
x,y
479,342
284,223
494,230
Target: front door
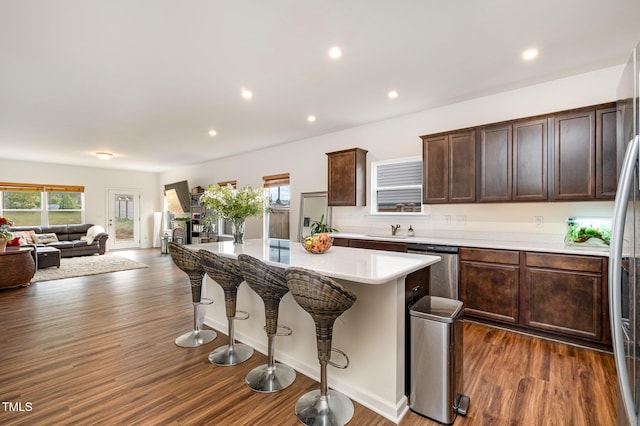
x,y
123,218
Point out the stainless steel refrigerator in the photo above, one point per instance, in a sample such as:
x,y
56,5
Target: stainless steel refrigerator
x,y
624,283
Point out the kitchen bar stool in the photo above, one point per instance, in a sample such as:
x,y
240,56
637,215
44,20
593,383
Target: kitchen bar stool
x,y
325,300
270,284
189,262
227,274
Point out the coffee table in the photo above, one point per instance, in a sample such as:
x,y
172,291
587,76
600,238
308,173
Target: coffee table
x,y
47,256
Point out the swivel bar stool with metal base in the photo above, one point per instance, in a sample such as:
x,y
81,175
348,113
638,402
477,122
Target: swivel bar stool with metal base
x,y
325,300
189,262
270,284
227,274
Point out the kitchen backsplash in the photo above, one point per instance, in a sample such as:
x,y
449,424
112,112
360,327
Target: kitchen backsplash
x,y
500,222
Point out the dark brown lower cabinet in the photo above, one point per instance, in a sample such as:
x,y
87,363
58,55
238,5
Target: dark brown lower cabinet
x,y
489,284
341,242
370,244
565,294
378,245
556,295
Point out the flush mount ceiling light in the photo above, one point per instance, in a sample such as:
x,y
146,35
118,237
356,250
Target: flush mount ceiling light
x,y
529,54
335,52
212,132
392,94
311,119
104,155
247,94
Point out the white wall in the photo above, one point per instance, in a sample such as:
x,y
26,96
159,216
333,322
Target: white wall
x,y
96,182
306,161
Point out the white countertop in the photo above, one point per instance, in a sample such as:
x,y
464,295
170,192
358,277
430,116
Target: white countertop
x,y
351,264
538,246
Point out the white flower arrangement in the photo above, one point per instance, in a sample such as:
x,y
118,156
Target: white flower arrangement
x,y
231,203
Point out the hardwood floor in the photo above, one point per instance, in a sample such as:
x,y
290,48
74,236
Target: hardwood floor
x,y
100,350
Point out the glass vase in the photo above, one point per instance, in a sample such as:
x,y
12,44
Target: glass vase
x,y
238,230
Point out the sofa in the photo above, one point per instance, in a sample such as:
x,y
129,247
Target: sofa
x,y
71,240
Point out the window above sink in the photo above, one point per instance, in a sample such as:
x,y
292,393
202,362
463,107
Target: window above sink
x,y
396,186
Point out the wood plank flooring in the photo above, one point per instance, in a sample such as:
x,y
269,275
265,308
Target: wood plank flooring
x,y
100,350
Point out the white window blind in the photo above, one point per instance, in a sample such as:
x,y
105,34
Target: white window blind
x,y
400,174
397,186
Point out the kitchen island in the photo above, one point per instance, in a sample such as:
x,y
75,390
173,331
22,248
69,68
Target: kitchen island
x,y
371,333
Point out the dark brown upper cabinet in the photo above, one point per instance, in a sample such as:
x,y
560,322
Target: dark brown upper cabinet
x,y
435,176
449,168
574,159
566,156
530,161
347,177
606,154
512,162
585,155
495,163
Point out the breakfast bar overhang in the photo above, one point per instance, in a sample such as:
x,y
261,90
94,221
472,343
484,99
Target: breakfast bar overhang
x,y
371,333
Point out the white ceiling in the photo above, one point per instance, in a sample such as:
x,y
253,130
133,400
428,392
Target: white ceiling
x,y
147,79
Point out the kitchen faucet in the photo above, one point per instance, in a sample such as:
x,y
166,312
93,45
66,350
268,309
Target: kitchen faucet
x,y
394,229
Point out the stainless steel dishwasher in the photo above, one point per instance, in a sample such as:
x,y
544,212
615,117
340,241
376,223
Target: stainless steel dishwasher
x,y
444,274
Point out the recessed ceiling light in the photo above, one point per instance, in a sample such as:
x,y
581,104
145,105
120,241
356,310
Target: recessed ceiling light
x,y
247,94
392,94
529,54
212,132
311,119
104,155
335,52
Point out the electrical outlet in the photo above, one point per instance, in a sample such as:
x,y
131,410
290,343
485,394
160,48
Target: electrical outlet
x,y
461,219
538,221
447,219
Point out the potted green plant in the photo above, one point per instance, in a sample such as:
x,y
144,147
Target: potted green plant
x,y
319,226
578,233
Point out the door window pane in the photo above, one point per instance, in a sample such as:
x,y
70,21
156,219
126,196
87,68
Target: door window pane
x,y
124,216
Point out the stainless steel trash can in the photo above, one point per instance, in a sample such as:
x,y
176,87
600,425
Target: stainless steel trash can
x,y
164,244
436,359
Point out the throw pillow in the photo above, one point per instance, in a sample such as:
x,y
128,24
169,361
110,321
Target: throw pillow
x,y
21,238
93,232
45,238
14,242
27,236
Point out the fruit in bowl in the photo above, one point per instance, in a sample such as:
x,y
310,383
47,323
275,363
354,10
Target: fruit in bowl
x,y
318,243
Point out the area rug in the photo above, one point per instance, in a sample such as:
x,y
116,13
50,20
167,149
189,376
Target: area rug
x,y
86,265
